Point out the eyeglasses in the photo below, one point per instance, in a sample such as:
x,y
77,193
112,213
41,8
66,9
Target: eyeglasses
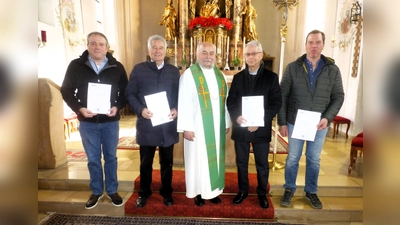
x,y
251,54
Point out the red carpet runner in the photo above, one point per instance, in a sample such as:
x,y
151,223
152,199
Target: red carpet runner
x,y
185,207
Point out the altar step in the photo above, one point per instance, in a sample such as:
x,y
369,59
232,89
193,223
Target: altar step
x,y
340,203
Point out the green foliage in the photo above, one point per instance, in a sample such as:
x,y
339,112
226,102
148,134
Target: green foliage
x,y
236,61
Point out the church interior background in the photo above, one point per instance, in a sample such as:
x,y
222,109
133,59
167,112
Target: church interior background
x,y
64,24
128,24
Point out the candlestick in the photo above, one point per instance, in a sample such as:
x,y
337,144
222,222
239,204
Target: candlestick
x,y
236,40
183,44
227,45
176,53
191,44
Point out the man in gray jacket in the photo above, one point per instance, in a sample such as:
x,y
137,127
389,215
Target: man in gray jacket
x,y
313,82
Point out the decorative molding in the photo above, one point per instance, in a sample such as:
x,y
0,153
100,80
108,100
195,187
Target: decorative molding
x,y
346,31
69,23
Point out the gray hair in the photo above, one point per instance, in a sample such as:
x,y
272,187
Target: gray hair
x,y
200,45
156,38
100,34
256,44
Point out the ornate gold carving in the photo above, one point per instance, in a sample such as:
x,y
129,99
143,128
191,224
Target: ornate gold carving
x,y
169,20
250,14
170,52
356,56
210,8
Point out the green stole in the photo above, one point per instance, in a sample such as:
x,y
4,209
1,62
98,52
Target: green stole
x,y
217,176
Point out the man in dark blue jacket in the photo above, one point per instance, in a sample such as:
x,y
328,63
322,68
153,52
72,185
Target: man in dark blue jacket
x,y
255,80
99,130
151,77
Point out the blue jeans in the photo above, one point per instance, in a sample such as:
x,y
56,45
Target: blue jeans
x,y
313,152
98,138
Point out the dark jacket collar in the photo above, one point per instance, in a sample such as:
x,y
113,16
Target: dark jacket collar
x,y
327,60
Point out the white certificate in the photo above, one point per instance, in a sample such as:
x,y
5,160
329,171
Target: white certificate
x,y
98,99
158,105
253,111
305,127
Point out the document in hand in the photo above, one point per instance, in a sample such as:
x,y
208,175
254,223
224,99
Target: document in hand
x,y
98,99
158,104
305,127
253,111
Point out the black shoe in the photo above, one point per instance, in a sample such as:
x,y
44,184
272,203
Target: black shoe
x,y
116,199
199,201
314,200
239,198
93,200
263,201
286,199
168,201
216,200
141,201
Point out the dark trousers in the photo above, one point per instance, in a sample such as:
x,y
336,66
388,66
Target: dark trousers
x,y
261,151
146,169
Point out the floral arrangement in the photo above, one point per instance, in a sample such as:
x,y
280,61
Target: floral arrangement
x,y
210,22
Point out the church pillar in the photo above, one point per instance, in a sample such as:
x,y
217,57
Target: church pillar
x,y
183,20
128,27
238,5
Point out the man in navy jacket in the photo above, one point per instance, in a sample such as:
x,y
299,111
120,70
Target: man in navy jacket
x,y
148,78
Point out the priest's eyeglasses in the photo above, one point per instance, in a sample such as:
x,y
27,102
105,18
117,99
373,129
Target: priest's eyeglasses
x,y
253,54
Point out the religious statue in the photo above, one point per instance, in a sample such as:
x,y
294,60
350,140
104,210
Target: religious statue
x,y
228,7
70,22
210,8
169,20
250,14
192,9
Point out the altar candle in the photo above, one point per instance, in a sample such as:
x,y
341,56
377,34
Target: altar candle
x,y
183,44
191,45
176,48
236,39
227,45
244,43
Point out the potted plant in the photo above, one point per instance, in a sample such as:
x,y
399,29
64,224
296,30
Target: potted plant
x,y
184,62
236,62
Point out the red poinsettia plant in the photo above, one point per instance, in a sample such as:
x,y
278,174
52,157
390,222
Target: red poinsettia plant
x,y
210,22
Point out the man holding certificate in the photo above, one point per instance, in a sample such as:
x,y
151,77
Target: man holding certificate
x,y
94,87
312,95
152,93
253,101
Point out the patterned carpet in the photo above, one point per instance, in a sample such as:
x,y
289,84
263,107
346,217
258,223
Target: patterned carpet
x,y
128,142
68,219
185,207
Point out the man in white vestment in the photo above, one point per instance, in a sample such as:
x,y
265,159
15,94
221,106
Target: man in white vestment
x,y
204,120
